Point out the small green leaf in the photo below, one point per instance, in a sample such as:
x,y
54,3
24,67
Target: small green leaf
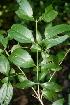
x,y
4,80
52,42
12,71
49,14
52,66
15,47
21,33
4,65
60,56
21,78
21,58
4,41
51,86
24,84
25,10
1,51
52,31
3,32
34,48
58,102
49,94
39,37
43,73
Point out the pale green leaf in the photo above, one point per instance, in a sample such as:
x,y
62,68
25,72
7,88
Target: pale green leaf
x,y
21,58
49,14
48,94
21,33
3,91
52,31
58,102
24,84
4,65
25,10
51,86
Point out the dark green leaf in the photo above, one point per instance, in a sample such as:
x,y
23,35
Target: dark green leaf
x,y
21,58
60,56
49,94
52,66
43,73
25,10
21,78
58,102
21,33
52,42
34,48
51,86
4,80
52,31
24,84
49,14
4,65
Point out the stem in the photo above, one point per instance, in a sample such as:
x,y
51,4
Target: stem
x,y
37,49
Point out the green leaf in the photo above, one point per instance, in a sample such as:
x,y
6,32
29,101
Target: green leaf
x,y
3,32
25,10
4,80
49,14
4,41
21,58
6,93
49,94
15,47
21,78
52,42
4,65
9,94
51,86
1,51
34,48
58,102
60,56
21,34
52,66
43,73
3,91
24,84
52,31
38,37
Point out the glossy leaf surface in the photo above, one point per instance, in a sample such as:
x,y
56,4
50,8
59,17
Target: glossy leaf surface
x,y
51,86
49,94
21,33
25,10
21,58
24,84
